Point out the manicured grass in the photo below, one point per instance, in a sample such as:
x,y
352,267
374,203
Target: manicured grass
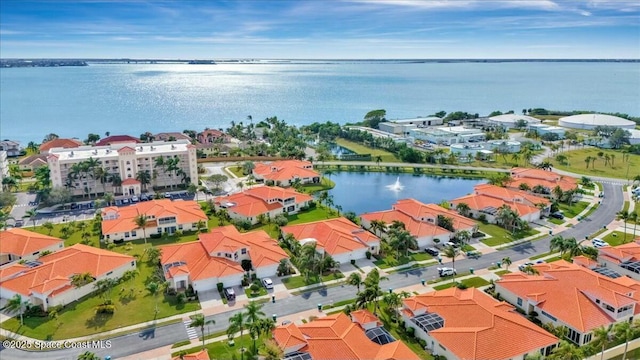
x,y
475,281
325,184
617,238
590,211
236,170
390,260
468,247
552,259
500,236
573,210
556,221
339,303
502,272
299,281
180,344
619,170
539,256
221,350
315,214
625,206
261,291
361,149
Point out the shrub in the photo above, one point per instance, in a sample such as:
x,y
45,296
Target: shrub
x,y
368,254
220,286
482,218
353,262
242,224
281,220
180,298
254,288
155,236
411,332
423,343
461,286
269,183
105,309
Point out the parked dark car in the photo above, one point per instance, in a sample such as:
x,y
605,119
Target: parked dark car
x,y
557,215
432,251
230,294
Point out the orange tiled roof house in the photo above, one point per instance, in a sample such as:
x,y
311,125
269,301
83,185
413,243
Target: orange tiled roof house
x,y
360,337
339,237
547,179
421,220
487,199
284,172
217,257
566,294
469,324
163,216
262,200
47,281
18,244
624,259
210,136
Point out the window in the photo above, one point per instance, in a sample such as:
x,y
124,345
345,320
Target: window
x,y
243,251
133,234
126,234
36,253
587,338
520,302
574,336
549,316
133,263
109,273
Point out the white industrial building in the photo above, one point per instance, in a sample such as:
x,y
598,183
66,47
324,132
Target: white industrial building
x,y
448,135
543,129
510,121
590,121
404,126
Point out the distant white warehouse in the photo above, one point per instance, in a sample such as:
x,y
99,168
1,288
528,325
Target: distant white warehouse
x,y
448,135
590,121
509,121
403,126
542,129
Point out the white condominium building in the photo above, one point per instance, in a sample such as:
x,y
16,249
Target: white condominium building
x,y
123,168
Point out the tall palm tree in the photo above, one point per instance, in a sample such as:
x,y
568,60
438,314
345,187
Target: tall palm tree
x,y
237,322
200,321
506,261
625,331
634,217
463,208
566,351
558,243
31,214
145,178
624,216
254,313
4,217
108,198
101,175
16,304
602,337
154,288
141,222
355,279
116,182
160,163
451,252
378,227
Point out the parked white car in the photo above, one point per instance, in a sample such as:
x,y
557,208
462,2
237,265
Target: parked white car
x,y
445,271
267,283
598,243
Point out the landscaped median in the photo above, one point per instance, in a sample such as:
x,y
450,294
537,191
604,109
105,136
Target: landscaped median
x,y
295,282
475,281
500,236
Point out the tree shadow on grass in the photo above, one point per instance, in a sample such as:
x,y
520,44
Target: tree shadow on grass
x,y
98,321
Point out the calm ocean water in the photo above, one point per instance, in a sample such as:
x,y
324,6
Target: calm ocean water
x,y
132,99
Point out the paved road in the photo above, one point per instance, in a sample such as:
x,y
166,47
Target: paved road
x,y
153,338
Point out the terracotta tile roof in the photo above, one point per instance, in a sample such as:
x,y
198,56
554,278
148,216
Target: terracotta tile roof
x,y
481,202
12,269
285,170
60,143
621,253
418,210
476,325
165,136
509,194
364,316
57,268
548,179
416,228
21,242
256,201
130,182
186,212
337,337
201,260
564,291
335,236
200,355
113,139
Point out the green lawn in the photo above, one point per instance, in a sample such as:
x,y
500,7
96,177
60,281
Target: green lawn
x,y
500,236
315,214
261,291
222,350
325,184
502,272
556,221
573,210
295,282
390,260
617,238
539,256
619,169
475,281
361,149
236,170
590,211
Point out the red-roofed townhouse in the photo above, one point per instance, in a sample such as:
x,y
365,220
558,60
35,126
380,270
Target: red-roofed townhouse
x,y
547,179
47,281
60,143
163,216
421,220
285,172
487,199
624,259
469,324
339,237
18,244
200,355
217,257
339,337
259,201
118,139
566,294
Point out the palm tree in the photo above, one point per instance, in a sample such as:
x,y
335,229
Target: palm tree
x,y
355,279
4,216
602,337
625,331
16,304
200,321
160,163
88,355
108,198
506,261
101,175
451,252
463,208
154,289
141,223
558,243
634,217
378,227
31,214
144,177
566,351
81,279
116,181
237,322
624,216
254,313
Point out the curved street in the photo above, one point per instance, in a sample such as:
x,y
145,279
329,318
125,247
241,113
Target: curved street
x,y
152,338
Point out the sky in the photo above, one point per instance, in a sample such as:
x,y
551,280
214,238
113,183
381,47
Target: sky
x,y
320,29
